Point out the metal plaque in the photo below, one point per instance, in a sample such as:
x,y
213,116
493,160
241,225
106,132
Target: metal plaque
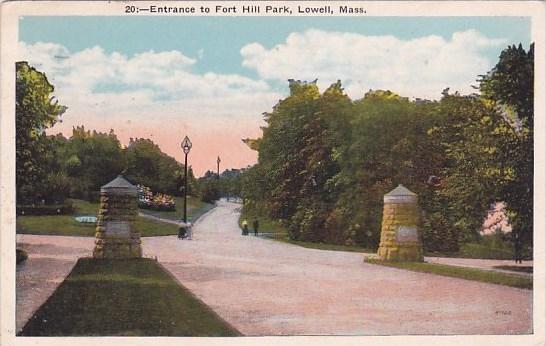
x,y
119,229
407,234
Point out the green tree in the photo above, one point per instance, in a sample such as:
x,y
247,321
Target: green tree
x,y
510,86
209,187
230,182
35,110
91,159
280,149
293,178
148,165
472,135
387,146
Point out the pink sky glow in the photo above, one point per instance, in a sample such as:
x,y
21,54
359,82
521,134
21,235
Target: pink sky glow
x,y
209,140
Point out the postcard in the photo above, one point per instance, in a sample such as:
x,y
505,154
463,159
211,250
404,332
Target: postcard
x,y
279,172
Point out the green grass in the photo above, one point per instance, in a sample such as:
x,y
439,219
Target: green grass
x,y
66,224
329,247
124,298
519,269
276,231
266,225
483,250
486,251
195,209
460,272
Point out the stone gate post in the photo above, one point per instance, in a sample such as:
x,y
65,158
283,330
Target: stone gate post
x,y
400,236
115,235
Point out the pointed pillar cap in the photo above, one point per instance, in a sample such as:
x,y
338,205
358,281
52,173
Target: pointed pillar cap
x,y
400,195
120,185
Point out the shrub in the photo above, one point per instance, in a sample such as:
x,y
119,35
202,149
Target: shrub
x,y
45,209
21,256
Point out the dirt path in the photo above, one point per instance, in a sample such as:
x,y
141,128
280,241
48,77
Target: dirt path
x,y
264,287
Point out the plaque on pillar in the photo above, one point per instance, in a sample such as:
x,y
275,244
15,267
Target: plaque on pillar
x,y
400,239
115,235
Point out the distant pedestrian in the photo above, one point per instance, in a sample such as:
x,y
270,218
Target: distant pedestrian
x,y
189,227
517,247
256,224
245,227
182,232
185,231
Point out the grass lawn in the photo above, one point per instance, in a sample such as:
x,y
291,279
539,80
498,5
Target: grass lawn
x,y
323,246
520,269
68,226
195,209
273,228
124,298
275,231
461,272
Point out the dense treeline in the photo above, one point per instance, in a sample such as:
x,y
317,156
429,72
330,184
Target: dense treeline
x,y
79,165
51,168
325,161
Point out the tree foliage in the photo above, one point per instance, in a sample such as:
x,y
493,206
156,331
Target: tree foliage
x,y
35,110
510,85
148,165
326,161
91,159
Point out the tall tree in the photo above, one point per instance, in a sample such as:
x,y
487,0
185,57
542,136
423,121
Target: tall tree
x,y
35,110
92,159
473,135
388,145
510,86
148,165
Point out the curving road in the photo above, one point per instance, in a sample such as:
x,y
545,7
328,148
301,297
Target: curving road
x,y
264,287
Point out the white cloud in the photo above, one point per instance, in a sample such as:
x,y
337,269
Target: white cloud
x,y
159,94
112,82
156,95
420,67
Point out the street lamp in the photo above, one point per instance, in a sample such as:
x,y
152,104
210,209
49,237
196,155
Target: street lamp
x,y
218,164
186,146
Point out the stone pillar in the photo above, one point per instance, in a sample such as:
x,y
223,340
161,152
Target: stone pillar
x,y
115,235
400,238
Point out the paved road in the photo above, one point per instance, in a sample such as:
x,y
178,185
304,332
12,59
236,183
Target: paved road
x,y
264,287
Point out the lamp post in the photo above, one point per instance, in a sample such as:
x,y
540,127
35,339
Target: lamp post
x,y
218,166
186,146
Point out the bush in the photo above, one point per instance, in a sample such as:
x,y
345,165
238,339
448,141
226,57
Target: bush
x,y
476,250
210,194
21,256
56,188
45,209
154,201
494,246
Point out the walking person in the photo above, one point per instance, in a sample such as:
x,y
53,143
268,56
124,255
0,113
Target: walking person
x,y
517,247
256,224
189,227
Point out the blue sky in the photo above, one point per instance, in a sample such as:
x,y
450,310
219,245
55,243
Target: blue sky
x,y
221,38
213,77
